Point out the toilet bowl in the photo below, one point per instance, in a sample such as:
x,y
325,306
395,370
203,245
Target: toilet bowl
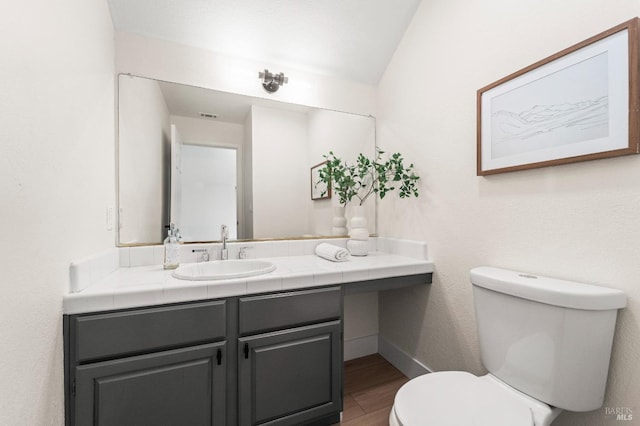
x,y
546,344
458,398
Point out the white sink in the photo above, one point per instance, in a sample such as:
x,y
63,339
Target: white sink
x,y
223,269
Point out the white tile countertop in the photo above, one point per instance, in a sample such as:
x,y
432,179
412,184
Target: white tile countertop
x,y
126,287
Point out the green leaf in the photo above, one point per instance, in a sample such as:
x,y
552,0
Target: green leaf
x,y
368,176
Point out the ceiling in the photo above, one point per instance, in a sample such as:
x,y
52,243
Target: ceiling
x,y
350,39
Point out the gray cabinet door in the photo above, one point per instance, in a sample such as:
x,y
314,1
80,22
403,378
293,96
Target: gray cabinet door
x,y
171,388
290,377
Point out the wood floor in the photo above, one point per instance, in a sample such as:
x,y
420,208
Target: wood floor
x,y
370,384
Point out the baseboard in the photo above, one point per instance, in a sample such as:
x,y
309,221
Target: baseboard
x,y
361,346
409,366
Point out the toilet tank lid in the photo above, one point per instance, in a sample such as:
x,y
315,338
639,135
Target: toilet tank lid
x,y
551,291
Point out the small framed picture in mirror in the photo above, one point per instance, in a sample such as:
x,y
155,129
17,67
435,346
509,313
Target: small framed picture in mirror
x,y
319,190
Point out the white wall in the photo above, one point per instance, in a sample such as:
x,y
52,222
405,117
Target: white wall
x,y
279,150
143,151
56,180
577,222
168,61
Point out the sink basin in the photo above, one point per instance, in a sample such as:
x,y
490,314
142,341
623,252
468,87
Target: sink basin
x,y
223,269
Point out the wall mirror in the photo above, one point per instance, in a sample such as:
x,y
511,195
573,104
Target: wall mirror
x,y
201,158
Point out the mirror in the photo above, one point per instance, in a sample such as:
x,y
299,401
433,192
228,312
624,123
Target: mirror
x,y
201,158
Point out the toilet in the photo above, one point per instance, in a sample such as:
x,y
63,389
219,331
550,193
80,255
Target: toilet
x,y
546,344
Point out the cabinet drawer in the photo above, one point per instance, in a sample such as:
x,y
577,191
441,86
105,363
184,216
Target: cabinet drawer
x,y
142,330
284,310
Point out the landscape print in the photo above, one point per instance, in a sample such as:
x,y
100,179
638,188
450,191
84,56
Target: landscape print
x,y
566,107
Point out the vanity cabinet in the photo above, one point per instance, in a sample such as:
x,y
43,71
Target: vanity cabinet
x,y
290,358
271,359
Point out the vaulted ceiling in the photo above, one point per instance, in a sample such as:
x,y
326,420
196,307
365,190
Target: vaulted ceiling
x,y
350,39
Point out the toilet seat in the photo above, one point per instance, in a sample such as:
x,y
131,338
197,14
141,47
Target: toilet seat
x,y
457,398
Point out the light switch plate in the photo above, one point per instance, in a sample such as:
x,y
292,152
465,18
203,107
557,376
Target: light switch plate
x,y
110,218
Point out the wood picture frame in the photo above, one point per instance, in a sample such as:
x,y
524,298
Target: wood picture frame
x,y
579,104
319,190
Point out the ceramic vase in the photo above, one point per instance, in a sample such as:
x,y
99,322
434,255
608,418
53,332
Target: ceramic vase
x,y
339,221
358,243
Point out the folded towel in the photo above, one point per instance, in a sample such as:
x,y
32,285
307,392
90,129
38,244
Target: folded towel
x,y
332,253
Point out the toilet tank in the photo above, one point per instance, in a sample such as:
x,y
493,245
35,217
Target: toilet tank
x,y
548,338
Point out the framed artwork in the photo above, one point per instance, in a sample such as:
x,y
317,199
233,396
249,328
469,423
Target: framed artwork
x,y
580,104
319,190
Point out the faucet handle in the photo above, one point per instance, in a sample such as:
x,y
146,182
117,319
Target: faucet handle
x,y
243,252
205,254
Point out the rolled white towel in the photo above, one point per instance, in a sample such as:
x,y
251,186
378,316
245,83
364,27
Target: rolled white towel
x,y
332,253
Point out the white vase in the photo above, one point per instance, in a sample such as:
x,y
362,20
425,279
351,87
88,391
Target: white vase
x,y
358,243
339,221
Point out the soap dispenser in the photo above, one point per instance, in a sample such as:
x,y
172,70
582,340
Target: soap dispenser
x,y
172,248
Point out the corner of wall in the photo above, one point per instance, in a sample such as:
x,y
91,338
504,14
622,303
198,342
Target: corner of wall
x,y
404,362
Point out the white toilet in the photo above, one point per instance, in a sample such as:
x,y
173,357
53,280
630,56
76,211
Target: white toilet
x,y
546,344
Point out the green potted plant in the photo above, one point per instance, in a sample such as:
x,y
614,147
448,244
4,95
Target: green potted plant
x,y
367,177
363,179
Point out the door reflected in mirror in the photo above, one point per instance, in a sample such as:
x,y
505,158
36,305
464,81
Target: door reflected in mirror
x,y
206,196
201,158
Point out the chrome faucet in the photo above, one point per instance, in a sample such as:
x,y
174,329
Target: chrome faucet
x,y
224,234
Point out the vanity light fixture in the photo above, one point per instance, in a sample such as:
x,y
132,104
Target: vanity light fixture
x,y
272,82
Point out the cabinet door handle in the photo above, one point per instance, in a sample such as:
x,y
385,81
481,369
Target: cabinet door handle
x,y
219,357
246,351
